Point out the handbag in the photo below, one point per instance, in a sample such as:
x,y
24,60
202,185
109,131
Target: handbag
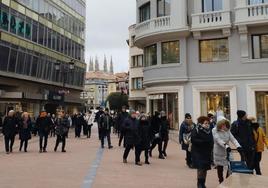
x,y
187,138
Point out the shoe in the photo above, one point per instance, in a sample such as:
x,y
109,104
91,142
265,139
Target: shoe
x,y
63,151
25,151
164,153
124,161
44,150
102,146
11,150
40,151
161,157
110,147
138,163
55,149
7,152
147,162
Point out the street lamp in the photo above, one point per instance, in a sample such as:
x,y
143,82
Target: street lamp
x,y
63,72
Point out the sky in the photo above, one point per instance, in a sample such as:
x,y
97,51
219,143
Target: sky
x,y
107,31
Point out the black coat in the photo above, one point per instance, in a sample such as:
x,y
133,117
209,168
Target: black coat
x,y
185,129
25,130
44,124
202,146
243,133
122,116
106,123
62,126
164,128
130,127
144,134
10,126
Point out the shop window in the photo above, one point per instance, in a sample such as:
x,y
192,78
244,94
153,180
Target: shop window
x,y
170,52
262,109
217,103
145,12
260,46
150,55
4,54
163,8
214,50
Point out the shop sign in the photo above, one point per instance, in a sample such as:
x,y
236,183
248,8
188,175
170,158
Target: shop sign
x,y
155,97
55,96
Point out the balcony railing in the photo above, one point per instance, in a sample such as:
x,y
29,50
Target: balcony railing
x,y
252,14
153,26
211,20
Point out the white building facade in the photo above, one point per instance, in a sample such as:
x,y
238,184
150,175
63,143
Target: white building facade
x,y
204,56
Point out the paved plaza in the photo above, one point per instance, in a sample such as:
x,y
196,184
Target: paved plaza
x,y
86,165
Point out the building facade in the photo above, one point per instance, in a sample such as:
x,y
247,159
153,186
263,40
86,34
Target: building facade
x,y
137,95
41,55
204,56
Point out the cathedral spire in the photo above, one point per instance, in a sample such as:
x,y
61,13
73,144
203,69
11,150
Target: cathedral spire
x,y
105,66
111,66
97,66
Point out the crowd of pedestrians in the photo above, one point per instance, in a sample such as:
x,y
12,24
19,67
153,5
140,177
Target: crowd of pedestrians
x,y
44,125
208,143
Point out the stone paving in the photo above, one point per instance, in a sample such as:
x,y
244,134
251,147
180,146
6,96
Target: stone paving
x,y
79,167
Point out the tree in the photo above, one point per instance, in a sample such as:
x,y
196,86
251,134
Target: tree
x,y
117,100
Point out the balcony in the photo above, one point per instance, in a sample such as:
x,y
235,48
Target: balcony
x,y
158,29
211,20
252,14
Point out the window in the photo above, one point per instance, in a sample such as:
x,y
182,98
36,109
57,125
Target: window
x,y
20,63
150,55
41,34
4,54
211,5
35,31
163,8
214,50
34,66
170,52
254,2
260,46
12,61
28,64
137,61
4,19
145,12
137,83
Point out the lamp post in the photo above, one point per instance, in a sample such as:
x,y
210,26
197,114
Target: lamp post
x,y
63,72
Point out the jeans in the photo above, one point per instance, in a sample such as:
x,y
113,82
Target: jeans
x,y
9,141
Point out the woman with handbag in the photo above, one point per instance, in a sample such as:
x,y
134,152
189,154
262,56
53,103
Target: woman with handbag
x,y
61,130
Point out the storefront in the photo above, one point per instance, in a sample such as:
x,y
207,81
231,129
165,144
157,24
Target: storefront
x,y
217,103
167,102
262,109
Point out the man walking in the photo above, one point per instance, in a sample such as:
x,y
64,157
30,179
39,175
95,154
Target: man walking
x,y
106,122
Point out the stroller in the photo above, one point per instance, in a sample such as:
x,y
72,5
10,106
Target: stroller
x,y
237,166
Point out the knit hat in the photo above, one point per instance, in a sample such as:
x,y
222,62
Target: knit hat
x,y
188,116
240,113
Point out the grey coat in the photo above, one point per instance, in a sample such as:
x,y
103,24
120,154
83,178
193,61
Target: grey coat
x,y
221,139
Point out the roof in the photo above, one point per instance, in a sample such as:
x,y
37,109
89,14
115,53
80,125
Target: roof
x,y
100,75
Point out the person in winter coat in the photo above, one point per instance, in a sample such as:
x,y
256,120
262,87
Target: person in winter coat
x,y
25,126
132,139
156,137
185,137
121,118
222,137
164,132
53,126
10,126
89,118
62,126
243,132
106,123
261,141
144,133
97,119
43,124
202,145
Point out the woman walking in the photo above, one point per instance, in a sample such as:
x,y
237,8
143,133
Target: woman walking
x,y
25,127
61,131
202,145
222,137
144,132
10,126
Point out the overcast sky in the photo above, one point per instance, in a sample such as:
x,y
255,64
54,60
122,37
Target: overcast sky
x,y
107,30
